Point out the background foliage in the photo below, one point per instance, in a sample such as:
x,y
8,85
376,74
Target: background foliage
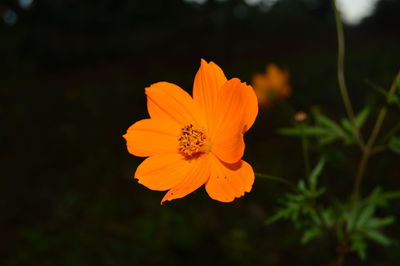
x,y
73,75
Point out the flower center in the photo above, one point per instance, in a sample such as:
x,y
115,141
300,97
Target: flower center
x,y
191,140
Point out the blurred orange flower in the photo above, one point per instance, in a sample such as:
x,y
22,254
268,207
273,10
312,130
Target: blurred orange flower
x,y
271,86
194,141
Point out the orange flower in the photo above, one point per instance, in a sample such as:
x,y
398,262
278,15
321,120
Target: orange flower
x,y
272,85
196,141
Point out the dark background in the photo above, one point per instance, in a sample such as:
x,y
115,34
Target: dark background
x,y
72,79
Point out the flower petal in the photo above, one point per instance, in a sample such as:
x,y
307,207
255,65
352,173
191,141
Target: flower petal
x,y
167,101
151,136
229,122
229,148
198,175
207,84
251,107
163,171
228,182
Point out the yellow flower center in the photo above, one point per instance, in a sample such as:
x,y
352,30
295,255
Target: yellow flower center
x,y
191,141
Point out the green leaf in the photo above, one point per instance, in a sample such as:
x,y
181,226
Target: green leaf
x,y
375,196
347,125
280,215
311,234
365,215
376,87
327,217
326,121
314,217
315,173
360,119
308,131
362,116
302,186
327,139
394,144
382,199
390,98
391,195
350,218
359,245
380,222
378,237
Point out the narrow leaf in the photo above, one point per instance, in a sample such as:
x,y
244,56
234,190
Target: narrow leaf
x,y
359,245
308,131
327,139
380,222
365,215
346,125
315,173
310,234
362,116
326,121
378,237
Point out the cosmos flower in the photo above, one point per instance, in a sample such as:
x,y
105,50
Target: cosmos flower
x,y
271,86
194,141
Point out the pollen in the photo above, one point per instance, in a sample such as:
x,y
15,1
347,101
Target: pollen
x,y
191,141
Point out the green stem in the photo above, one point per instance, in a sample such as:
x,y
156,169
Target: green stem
x,y
274,178
360,173
341,77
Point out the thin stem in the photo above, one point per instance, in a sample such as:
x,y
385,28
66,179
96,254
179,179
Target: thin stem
x,y
377,127
274,178
306,156
341,78
360,173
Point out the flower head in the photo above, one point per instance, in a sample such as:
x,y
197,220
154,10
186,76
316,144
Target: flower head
x,y
272,85
191,141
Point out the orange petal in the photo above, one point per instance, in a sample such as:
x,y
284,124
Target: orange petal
x,y
251,107
163,171
167,101
151,136
229,122
198,175
229,182
229,148
207,84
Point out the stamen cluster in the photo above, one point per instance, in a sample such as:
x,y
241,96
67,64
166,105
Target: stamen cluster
x,y
191,140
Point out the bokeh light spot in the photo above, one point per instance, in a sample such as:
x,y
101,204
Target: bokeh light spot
x,y
10,17
196,2
354,11
25,3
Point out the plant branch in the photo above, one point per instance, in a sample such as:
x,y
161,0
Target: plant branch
x,y
371,142
341,78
